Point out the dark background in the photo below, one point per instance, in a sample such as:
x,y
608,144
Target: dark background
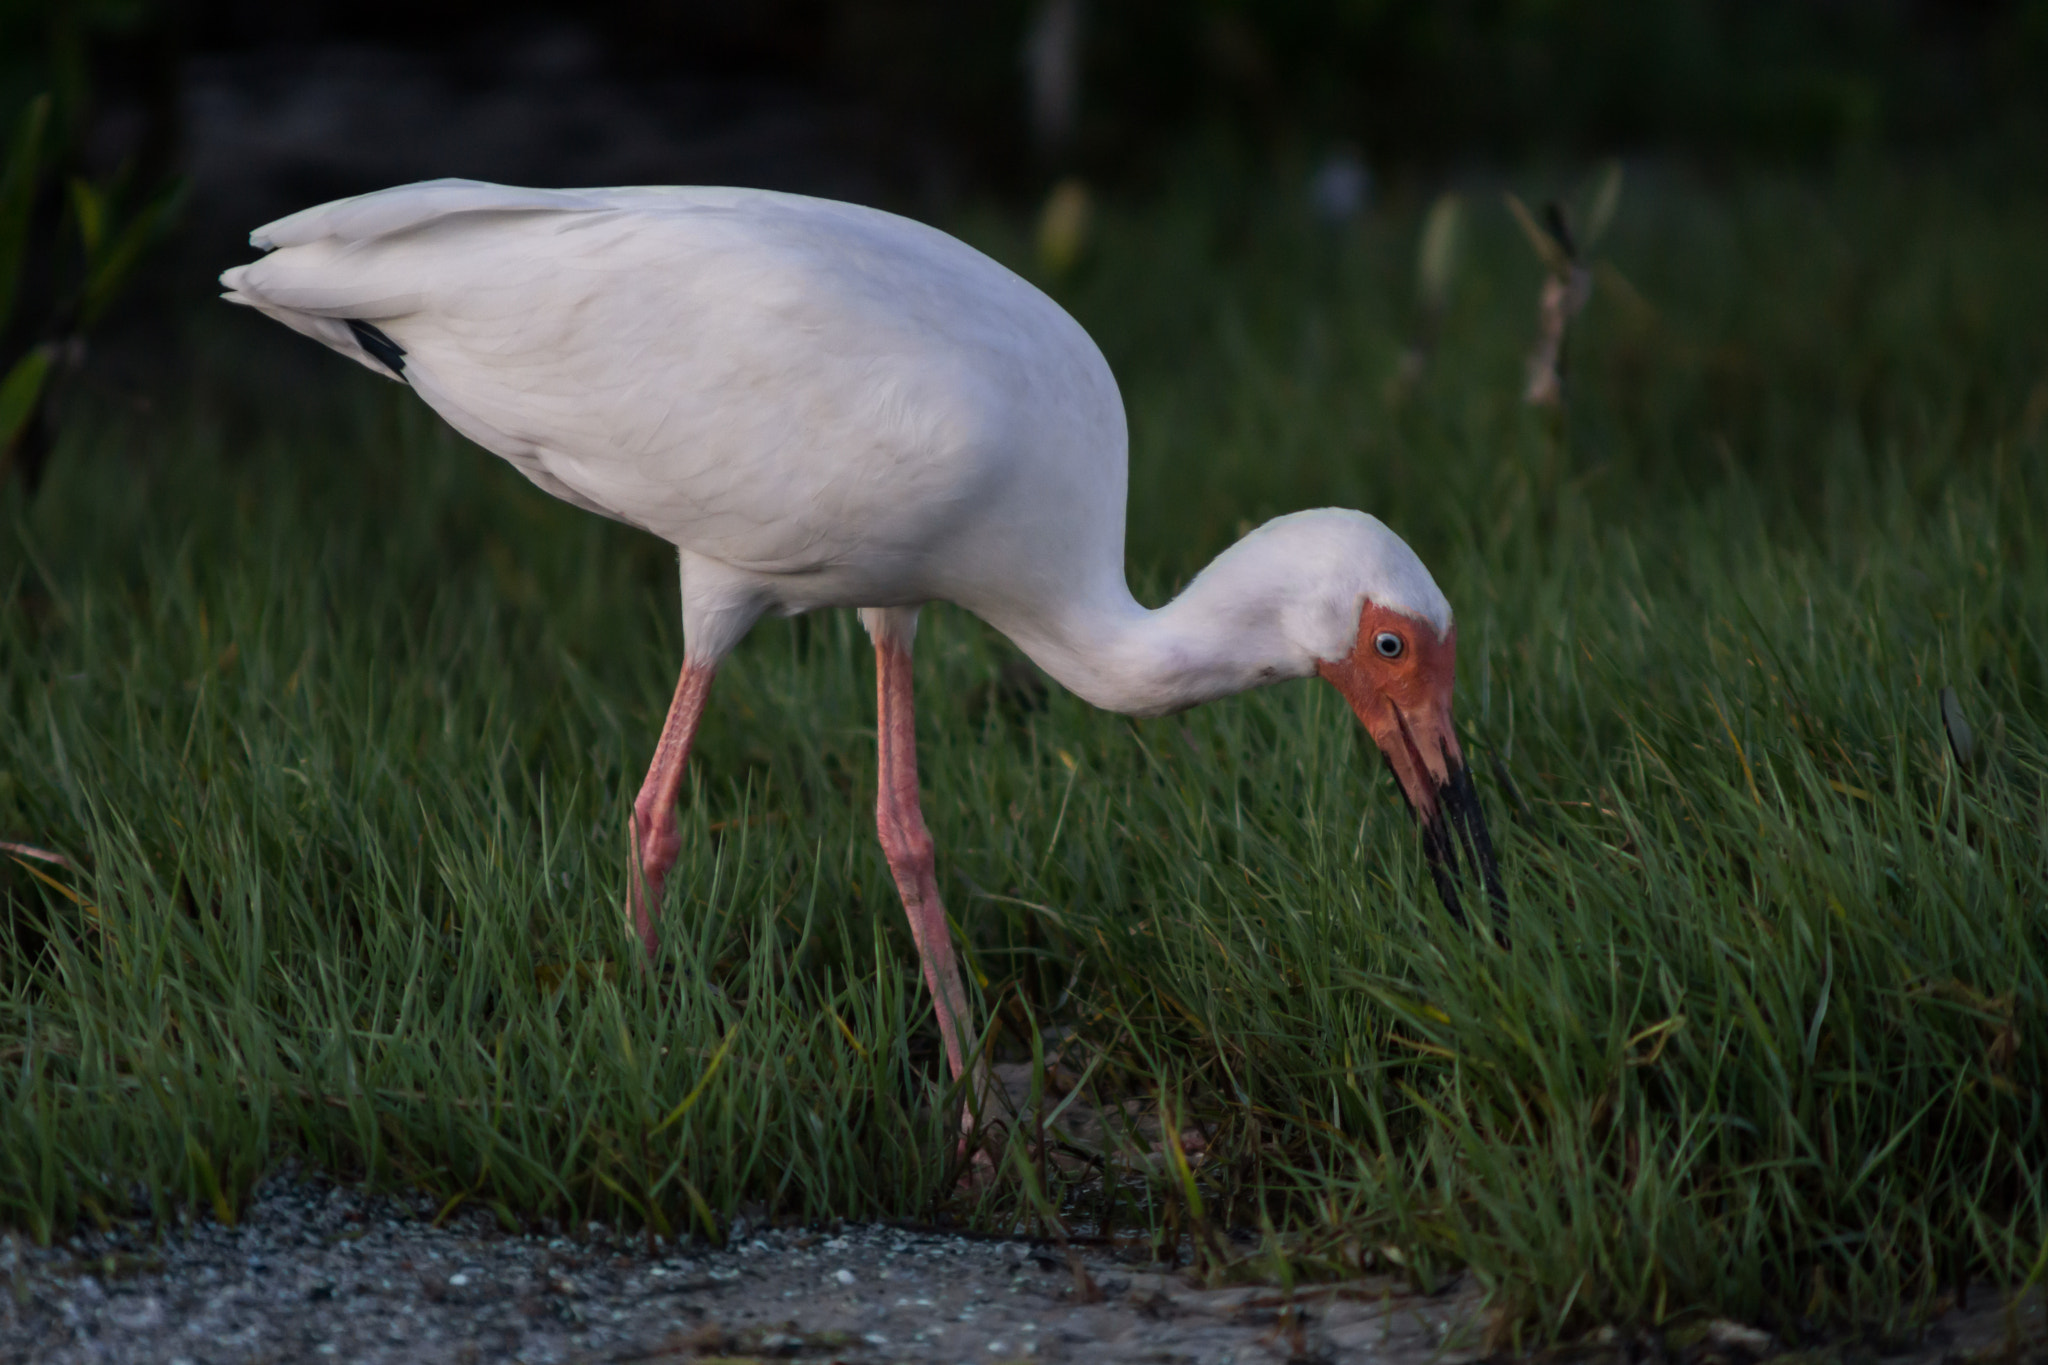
x,y
916,101
257,108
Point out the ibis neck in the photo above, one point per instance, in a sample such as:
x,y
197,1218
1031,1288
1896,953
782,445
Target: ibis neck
x,y
1214,640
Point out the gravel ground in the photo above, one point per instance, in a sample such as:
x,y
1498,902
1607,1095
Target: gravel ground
x,y
316,1271
320,1272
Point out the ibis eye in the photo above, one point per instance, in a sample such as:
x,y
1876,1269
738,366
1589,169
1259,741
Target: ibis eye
x,y
1388,644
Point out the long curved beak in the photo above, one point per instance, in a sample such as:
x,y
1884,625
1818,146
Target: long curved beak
x,y
1443,798
1422,749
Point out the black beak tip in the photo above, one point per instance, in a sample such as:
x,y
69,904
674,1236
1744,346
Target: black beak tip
x,y
1458,808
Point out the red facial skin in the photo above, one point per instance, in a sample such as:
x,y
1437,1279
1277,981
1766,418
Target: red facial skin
x,y
1404,702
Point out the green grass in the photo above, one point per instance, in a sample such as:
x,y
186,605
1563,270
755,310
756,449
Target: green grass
x,y
340,719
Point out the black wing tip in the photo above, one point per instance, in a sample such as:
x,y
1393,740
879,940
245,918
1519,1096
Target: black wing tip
x,y
381,348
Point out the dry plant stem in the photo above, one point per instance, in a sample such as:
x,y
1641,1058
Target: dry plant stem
x,y
656,839
1562,298
913,860
42,855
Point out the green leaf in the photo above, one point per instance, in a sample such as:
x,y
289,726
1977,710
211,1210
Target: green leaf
x,y
90,207
1436,259
19,393
1547,248
1606,200
109,272
18,197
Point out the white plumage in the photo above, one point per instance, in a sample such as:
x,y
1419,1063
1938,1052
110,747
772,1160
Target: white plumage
x,y
826,405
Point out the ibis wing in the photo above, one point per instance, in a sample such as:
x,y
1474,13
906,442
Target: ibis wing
x,y
780,383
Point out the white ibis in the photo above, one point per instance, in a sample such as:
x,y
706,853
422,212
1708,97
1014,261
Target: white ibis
x,y
822,405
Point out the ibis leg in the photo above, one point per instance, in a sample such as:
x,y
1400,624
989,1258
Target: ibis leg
x,y
656,839
908,845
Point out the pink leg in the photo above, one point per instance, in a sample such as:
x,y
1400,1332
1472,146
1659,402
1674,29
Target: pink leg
x,y
909,848
656,840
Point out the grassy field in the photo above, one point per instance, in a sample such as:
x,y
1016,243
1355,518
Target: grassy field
x,y
339,720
